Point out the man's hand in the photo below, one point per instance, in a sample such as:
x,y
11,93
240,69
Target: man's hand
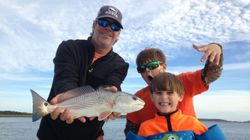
x,y
64,114
113,116
110,88
211,52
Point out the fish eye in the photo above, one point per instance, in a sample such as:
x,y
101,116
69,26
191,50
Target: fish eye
x,y
45,103
134,98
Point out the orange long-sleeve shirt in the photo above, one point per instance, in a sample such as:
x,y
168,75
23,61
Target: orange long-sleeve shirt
x,y
193,85
179,122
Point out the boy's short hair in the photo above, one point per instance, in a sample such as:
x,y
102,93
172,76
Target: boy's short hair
x,y
149,54
167,82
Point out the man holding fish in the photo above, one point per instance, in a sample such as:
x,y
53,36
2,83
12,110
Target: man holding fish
x,y
84,62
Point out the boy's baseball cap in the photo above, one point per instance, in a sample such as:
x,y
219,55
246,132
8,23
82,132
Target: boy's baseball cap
x,y
110,12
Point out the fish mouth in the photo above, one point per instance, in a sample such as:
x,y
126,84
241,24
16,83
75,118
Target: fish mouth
x,y
141,104
138,106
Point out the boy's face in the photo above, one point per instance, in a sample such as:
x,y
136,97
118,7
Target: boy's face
x,y
148,74
166,101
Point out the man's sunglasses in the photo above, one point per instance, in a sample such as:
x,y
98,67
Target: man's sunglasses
x,y
105,23
151,65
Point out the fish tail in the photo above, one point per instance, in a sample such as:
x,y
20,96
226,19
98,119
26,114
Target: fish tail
x,y
39,106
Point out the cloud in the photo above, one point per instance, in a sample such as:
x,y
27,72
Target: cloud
x,y
30,31
226,67
220,103
22,77
237,66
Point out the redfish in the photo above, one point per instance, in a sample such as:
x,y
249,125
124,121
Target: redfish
x,y
89,102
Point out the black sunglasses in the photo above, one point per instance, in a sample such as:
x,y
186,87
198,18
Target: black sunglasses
x,y
105,23
151,65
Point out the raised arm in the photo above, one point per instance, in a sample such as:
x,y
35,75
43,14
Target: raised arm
x,y
213,53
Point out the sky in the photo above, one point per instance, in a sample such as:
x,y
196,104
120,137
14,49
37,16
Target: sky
x,y
30,32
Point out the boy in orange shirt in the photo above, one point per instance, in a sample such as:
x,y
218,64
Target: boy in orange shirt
x,y
166,93
152,61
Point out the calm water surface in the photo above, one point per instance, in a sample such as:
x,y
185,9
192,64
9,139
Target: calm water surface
x,y
24,129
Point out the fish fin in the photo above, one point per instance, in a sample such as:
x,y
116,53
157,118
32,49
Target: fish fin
x,y
39,106
86,101
79,91
104,115
83,89
101,88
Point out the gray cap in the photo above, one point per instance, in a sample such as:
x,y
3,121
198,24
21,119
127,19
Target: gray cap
x,y
110,12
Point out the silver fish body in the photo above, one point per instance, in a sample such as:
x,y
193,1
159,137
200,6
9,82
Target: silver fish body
x,y
85,101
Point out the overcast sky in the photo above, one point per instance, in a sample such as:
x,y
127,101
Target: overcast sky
x,y
30,32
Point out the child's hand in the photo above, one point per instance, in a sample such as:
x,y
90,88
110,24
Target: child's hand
x,y
212,52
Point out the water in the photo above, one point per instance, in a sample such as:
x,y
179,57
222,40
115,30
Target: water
x,y
24,129
17,129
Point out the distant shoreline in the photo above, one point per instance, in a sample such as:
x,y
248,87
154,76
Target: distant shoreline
x,y
14,114
29,115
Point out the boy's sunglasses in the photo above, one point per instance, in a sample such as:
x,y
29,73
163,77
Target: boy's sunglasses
x,y
105,23
151,65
